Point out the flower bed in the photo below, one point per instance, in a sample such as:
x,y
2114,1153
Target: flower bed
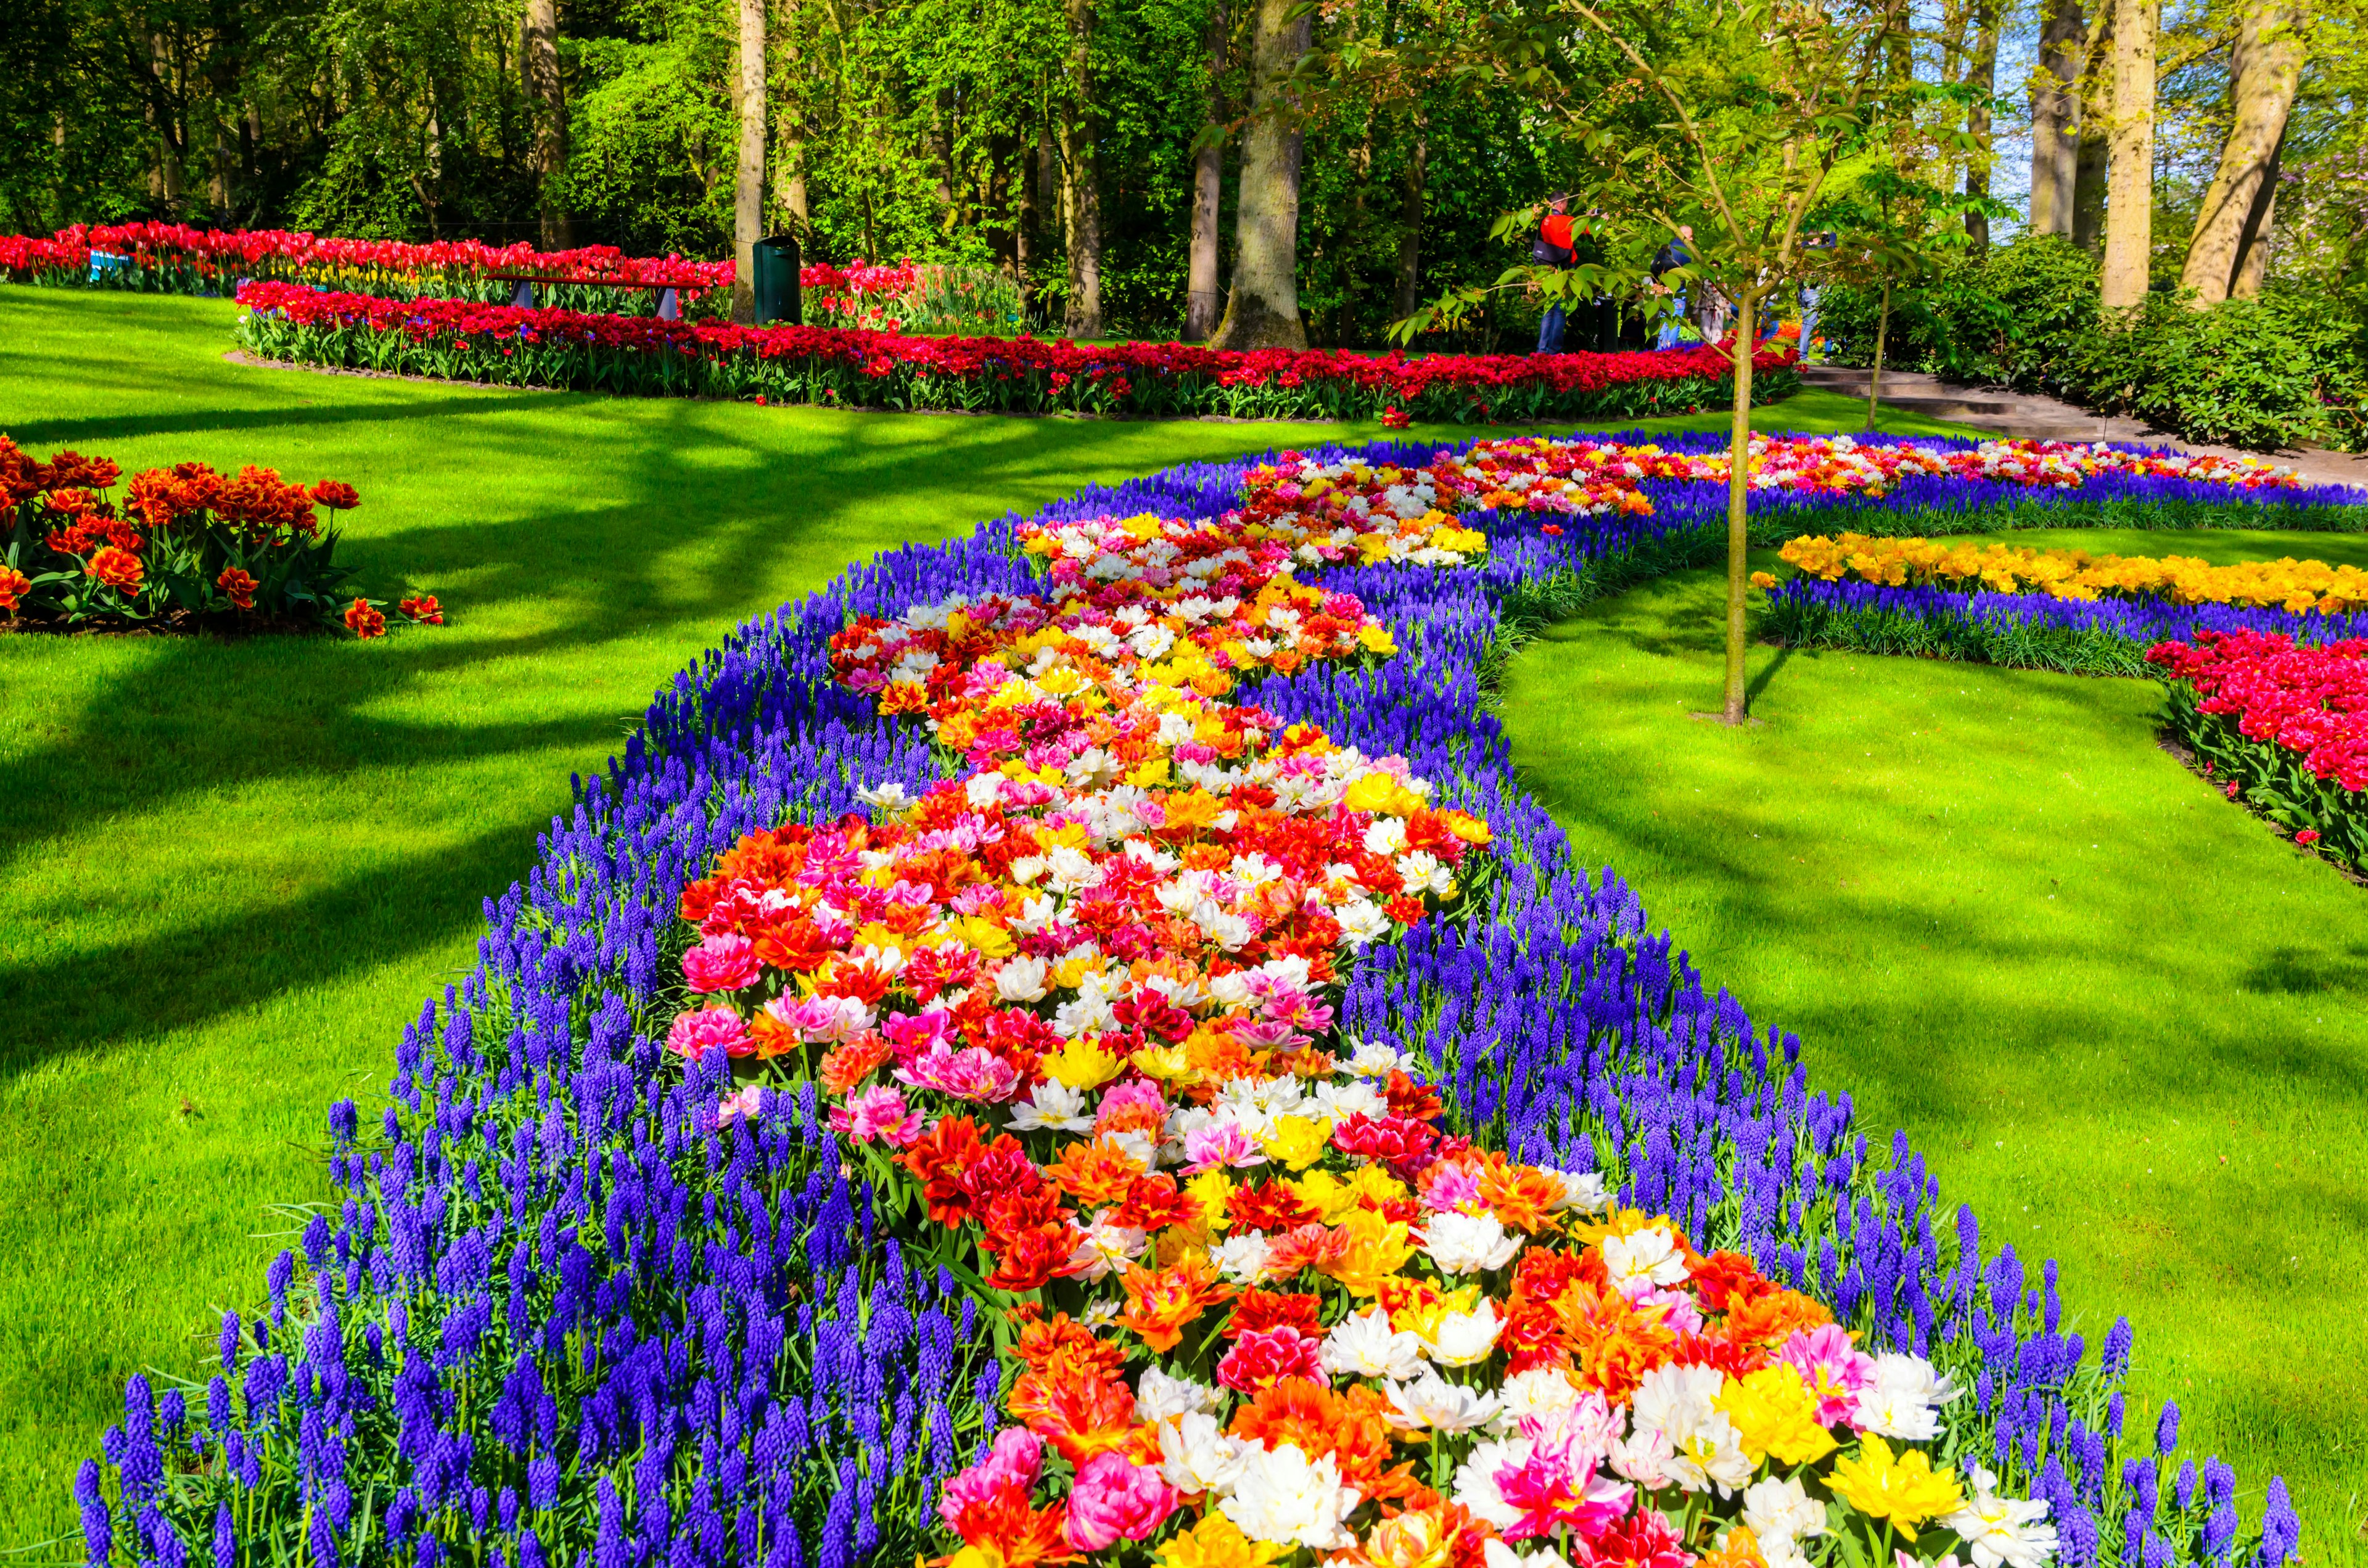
x,y
173,258
872,370
2040,631
2283,726
2300,587
187,546
581,1295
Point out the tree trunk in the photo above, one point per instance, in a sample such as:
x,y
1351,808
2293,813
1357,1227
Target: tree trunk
x,y
2129,190
1029,247
1410,226
547,96
1081,204
2253,255
1201,296
1262,311
749,183
1981,74
1881,336
2055,115
1738,496
2265,71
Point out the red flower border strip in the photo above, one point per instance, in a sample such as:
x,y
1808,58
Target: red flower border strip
x,y
2283,727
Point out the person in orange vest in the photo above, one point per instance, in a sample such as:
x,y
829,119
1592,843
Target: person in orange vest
x,y
1554,246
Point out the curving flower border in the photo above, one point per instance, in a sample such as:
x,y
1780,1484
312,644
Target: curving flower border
x,y
558,1309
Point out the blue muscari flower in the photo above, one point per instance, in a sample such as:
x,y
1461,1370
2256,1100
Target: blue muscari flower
x,y
2183,1489
2166,1430
2281,1526
2219,1483
2117,1350
97,1526
225,1537
2219,1533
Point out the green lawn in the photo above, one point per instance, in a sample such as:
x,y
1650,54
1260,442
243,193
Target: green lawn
x,y
230,871
2124,1021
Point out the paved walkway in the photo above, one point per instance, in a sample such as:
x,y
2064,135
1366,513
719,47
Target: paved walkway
x,y
2048,419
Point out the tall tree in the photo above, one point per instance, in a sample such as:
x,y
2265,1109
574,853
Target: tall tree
x,y
2055,115
547,95
749,182
1262,309
2129,192
1981,77
1081,195
2265,70
1200,294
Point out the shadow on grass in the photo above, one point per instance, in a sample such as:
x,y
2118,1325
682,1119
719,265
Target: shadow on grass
x,y
127,427
698,528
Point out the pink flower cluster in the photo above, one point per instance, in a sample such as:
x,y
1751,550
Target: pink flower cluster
x,y
2311,702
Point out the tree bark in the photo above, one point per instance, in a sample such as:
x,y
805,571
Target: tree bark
x,y
1029,245
1882,337
2253,255
1981,74
1738,498
748,184
1262,311
1081,202
1200,287
2129,190
2265,69
2055,115
538,59
1410,208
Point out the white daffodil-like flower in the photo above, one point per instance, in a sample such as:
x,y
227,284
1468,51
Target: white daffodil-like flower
x,y
1782,1514
1705,1449
1582,1190
1466,1244
1195,1455
1362,922
889,797
2002,1532
981,790
1340,1101
1541,1394
1020,979
1458,1339
1368,1346
1902,1398
1283,1499
1496,1554
1649,1254
1431,1401
1243,1258
1376,1058
1052,1107
1158,1396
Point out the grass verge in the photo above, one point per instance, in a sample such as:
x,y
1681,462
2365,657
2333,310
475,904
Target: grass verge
x,y
2122,1020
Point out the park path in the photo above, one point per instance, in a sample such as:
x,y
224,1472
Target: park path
x,y
2050,419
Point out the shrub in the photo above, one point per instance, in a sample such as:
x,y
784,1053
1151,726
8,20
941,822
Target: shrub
x,y
2269,373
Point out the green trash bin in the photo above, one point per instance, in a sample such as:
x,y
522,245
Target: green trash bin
x,y
776,283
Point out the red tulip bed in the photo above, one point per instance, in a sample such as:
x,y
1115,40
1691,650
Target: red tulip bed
x,y
187,546
2281,727
173,258
842,368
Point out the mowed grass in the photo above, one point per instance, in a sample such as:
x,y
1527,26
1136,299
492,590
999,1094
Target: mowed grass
x,y
230,872
2125,1021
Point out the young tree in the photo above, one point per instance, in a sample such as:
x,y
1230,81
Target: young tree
x,y
1081,193
2055,115
1746,108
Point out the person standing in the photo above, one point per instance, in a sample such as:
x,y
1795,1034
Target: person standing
x,y
1554,246
1669,258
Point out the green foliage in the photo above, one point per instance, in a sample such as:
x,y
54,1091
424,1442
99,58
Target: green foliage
x,y
651,149
2265,373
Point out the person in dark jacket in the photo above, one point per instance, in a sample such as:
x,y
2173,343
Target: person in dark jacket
x,y
1554,246
1669,258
